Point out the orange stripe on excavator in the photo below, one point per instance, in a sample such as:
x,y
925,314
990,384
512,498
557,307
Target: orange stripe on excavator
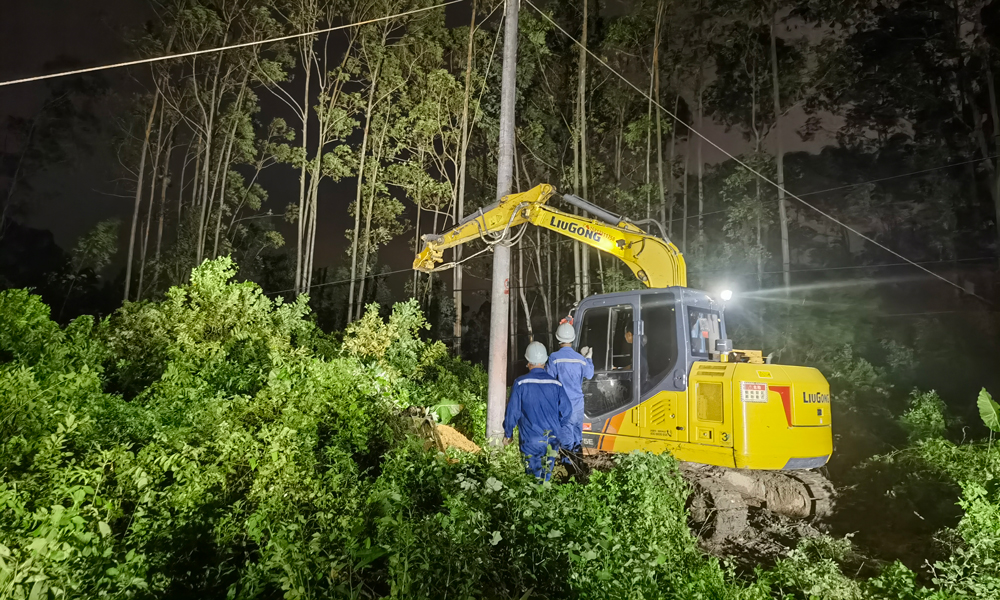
x,y
614,422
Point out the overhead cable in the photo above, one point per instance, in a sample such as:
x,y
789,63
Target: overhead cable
x,y
156,59
760,175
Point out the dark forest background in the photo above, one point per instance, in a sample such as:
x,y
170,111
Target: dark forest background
x,y
317,164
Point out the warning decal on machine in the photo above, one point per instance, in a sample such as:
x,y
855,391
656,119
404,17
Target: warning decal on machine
x,y
752,391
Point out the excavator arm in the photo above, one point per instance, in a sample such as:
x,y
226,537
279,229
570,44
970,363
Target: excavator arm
x,y
655,261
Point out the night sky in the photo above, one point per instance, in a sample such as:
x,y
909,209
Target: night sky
x,y
42,36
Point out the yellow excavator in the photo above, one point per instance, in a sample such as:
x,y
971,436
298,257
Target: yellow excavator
x,y
666,377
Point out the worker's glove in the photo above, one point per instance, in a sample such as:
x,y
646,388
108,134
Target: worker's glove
x,y
587,352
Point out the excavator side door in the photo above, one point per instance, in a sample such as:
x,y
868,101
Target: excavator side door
x,y
663,412
611,412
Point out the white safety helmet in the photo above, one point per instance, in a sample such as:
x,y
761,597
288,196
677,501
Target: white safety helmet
x,y
536,353
565,333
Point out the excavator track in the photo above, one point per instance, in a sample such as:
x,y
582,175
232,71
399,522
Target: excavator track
x,y
722,499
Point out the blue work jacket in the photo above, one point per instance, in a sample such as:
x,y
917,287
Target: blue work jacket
x,y
539,408
571,368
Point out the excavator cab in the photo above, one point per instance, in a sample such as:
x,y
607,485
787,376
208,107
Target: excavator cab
x,y
644,342
666,379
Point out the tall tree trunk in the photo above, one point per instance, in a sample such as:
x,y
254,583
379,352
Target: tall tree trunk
x,y
512,354
165,182
460,204
553,294
522,293
649,139
670,170
303,174
313,202
779,152
194,180
558,293
584,250
995,114
544,284
357,198
368,218
659,127
209,115
575,135
180,186
138,194
684,222
157,153
577,273
701,167
759,203
225,166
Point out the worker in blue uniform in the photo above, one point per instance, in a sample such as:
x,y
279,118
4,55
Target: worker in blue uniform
x,y
571,368
540,409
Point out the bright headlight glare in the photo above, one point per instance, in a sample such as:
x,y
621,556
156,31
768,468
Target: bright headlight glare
x,y
726,295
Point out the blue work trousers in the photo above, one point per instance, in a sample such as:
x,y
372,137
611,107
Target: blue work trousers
x,y
536,455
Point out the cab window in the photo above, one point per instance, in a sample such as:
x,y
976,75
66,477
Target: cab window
x,y
608,331
659,340
703,330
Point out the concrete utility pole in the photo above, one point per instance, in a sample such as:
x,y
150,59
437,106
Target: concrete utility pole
x,y
500,298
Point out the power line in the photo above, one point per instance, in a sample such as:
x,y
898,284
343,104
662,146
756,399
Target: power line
x,y
748,273
223,48
847,268
743,164
860,183
341,281
901,175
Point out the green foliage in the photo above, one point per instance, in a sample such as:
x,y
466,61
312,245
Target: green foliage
x,y
215,445
972,570
925,418
95,249
624,535
812,567
989,412
395,345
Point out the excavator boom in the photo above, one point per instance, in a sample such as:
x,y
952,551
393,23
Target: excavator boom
x,y
656,262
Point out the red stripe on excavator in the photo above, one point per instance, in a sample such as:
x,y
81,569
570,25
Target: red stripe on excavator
x,y
786,400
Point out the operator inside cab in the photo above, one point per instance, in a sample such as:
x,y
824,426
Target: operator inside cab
x,y
622,358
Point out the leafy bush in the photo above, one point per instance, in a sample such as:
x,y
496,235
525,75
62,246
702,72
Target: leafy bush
x,y
216,445
622,536
925,418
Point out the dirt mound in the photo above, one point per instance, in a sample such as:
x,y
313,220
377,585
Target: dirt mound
x,y
435,435
450,438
